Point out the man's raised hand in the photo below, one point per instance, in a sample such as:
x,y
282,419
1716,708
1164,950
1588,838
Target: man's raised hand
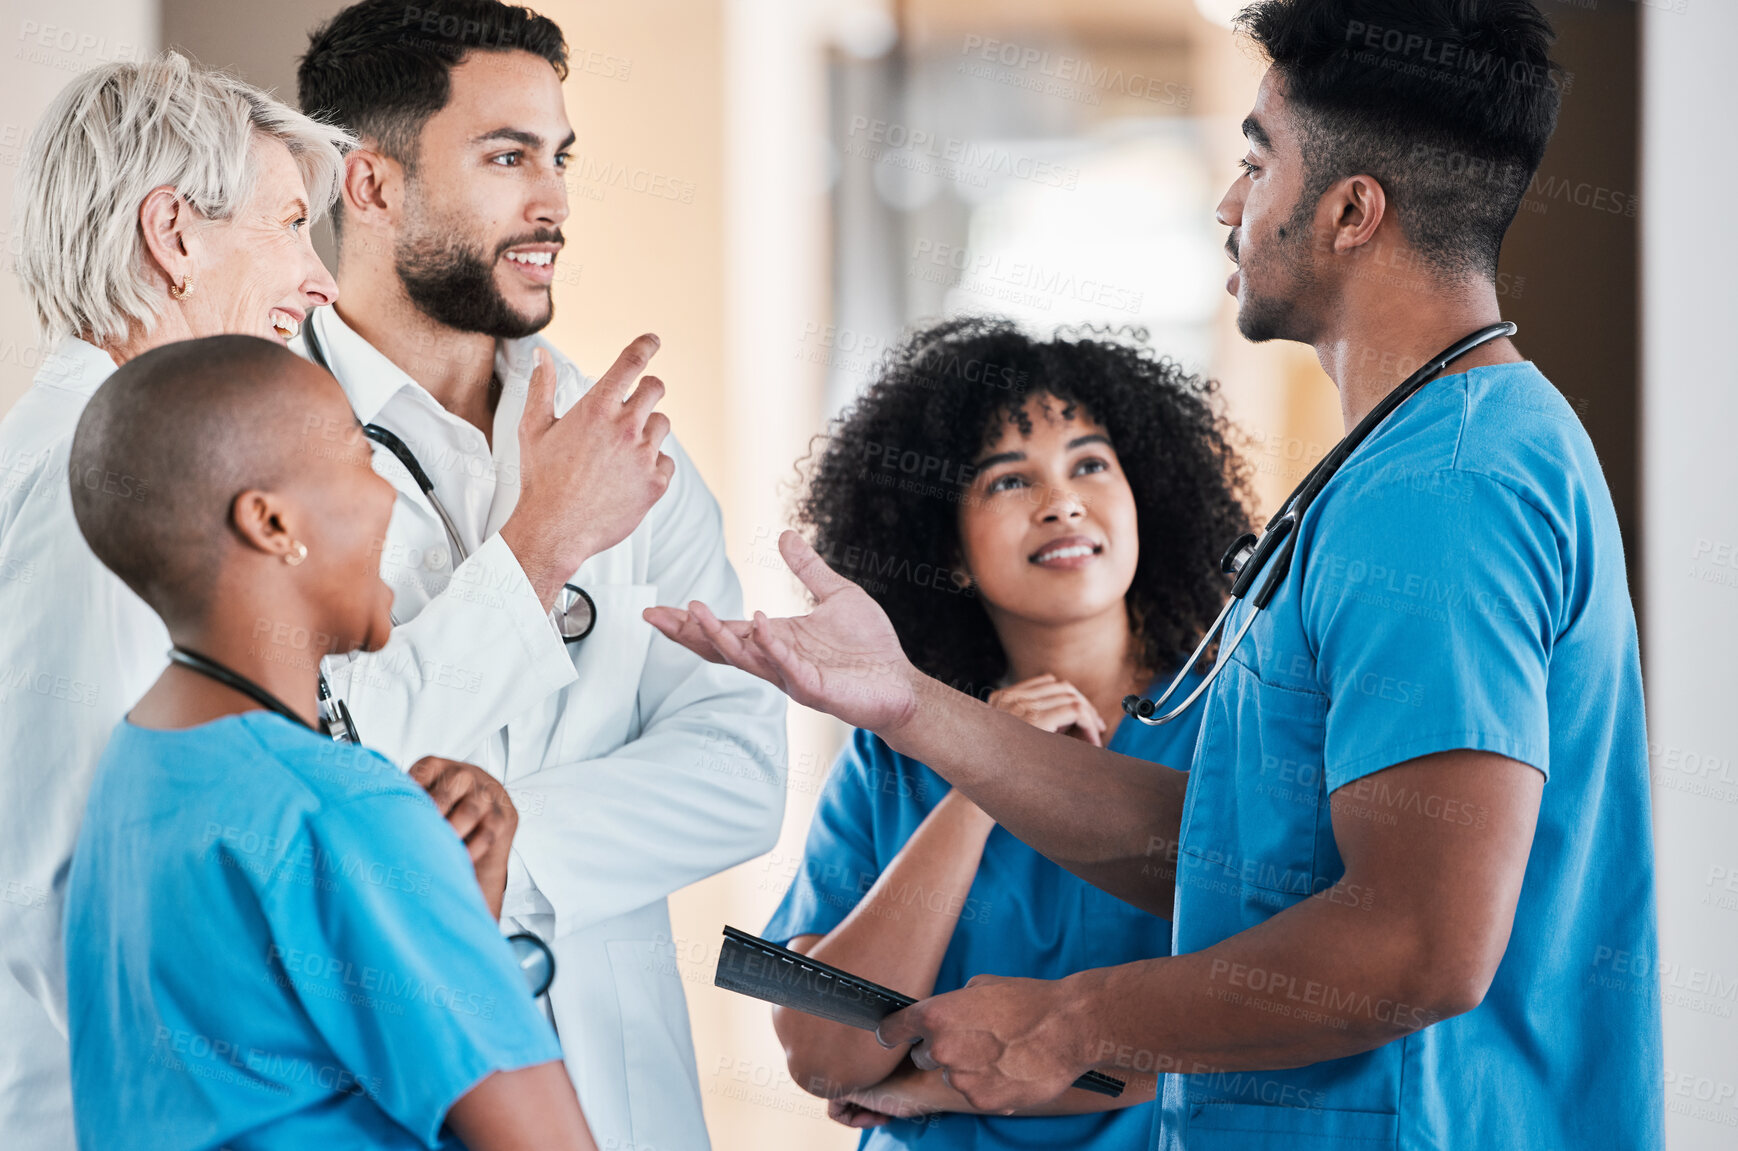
x,y
842,658
587,479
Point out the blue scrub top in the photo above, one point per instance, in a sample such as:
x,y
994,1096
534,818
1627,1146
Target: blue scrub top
x,y
275,941
1023,916
1459,584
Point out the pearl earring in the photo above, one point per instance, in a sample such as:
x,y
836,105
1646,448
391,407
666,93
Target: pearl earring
x,y
295,557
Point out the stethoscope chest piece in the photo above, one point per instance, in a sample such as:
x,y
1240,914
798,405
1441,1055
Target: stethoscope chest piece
x,y
536,962
575,613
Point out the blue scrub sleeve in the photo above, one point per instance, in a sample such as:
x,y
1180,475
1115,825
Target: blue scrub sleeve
x,y
1433,611
379,926
838,864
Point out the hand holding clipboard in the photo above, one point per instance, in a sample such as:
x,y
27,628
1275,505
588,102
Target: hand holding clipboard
x,y
778,975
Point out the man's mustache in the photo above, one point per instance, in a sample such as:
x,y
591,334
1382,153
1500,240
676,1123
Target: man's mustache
x,y
1231,246
541,236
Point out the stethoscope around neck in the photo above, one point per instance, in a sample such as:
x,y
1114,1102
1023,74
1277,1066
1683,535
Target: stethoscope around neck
x,y
533,957
574,614
1251,554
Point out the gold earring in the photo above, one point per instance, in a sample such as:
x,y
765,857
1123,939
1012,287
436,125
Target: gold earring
x,y
186,287
295,558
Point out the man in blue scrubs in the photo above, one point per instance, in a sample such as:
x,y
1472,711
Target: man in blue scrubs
x,y
1413,862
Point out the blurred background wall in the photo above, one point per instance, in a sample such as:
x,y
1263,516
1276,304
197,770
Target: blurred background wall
x,y
778,187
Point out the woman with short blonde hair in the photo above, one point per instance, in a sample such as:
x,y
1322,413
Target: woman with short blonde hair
x,y
157,201
113,139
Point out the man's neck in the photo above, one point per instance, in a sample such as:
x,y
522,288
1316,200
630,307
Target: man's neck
x,y
1382,337
456,368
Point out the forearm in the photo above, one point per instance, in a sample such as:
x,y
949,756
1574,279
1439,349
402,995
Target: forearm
x,y
547,564
911,1091
895,936
1327,978
479,653
531,1109
703,786
1111,819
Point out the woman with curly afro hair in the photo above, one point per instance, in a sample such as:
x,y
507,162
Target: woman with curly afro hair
x,y
1042,521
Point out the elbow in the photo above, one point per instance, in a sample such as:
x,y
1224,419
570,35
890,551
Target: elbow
x,y
813,1064
811,1075
753,830
762,833
1452,995
1451,980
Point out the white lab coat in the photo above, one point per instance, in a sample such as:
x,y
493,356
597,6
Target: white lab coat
x,y
77,648
637,767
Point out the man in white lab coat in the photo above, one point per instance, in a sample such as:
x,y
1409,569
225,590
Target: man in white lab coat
x,y
636,767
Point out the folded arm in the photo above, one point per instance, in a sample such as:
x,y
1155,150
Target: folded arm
x,y
911,1092
701,790
891,939
702,786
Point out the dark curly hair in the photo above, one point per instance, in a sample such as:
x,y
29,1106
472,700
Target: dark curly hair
x,y
884,489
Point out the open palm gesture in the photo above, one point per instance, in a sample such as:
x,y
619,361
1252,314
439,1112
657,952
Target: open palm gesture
x,y
842,658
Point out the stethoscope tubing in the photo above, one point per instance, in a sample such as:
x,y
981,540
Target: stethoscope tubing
x,y
399,449
1277,542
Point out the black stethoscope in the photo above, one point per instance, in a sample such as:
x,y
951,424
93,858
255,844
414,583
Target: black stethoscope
x,y
1250,554
574,614
536,961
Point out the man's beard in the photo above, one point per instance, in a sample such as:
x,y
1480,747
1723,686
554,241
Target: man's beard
x,y
454,284
1274,315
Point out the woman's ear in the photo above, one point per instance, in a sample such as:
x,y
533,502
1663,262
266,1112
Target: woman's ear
x,y
166,220
264,523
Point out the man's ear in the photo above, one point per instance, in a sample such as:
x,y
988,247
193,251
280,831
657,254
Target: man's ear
x,y
373,187
1354,208
264,522
166,221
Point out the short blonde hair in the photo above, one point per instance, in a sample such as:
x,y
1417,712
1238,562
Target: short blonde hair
x,y
106,141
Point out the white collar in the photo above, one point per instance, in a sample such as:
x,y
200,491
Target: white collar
x,y
370,380
77,365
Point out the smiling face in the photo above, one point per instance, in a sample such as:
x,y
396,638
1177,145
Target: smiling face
x,y
257,273
1271,228
1048,528
345,508
486,197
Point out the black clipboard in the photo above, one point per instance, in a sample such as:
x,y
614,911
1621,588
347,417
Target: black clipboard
x,y
750,965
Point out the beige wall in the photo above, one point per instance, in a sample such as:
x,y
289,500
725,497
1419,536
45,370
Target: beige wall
x,y
43,45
